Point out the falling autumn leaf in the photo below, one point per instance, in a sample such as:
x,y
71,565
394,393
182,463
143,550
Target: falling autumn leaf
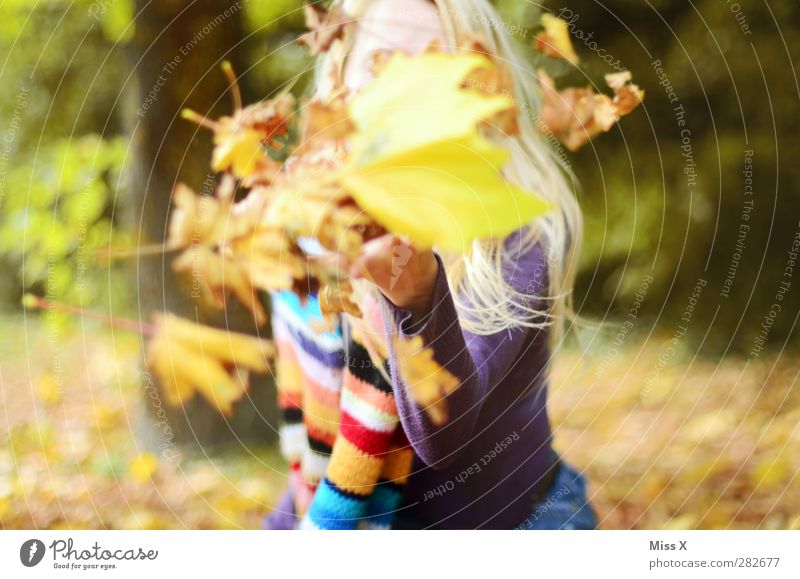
x,y
627,96
190,358
417,146
217,275
554,40
577,115
427,381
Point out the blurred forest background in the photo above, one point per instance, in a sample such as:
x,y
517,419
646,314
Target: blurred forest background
x,y
682,407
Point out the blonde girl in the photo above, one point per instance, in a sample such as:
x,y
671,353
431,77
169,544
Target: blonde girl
x,y
493,317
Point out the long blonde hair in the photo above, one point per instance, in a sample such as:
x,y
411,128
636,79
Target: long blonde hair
x,y
485,301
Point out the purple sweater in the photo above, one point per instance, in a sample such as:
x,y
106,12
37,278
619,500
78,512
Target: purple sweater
x,y
481,468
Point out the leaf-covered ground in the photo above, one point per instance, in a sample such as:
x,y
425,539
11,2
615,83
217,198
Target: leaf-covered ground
x,y
69,456
667,441
672,441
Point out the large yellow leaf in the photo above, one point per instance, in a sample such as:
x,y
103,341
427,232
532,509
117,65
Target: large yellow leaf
x,y
419,165
416,100
446,193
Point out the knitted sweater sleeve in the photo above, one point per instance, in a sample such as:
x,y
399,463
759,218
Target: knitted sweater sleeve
x,y
370,460
478,361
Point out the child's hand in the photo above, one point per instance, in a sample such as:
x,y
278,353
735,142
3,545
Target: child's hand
x,y
404,274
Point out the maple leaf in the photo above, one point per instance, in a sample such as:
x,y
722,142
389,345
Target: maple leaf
x,y
577,115
190,358
218,275
417,146
554,40
239,150
195,219
463,197
427,381
417,100
239,139
270,259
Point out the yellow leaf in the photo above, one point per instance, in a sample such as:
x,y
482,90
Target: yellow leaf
x,y
190,358
446,193
239,150
417,100
142,467
554,40
419,165
428,382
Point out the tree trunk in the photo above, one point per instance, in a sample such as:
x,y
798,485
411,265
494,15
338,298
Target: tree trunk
x,y
176,56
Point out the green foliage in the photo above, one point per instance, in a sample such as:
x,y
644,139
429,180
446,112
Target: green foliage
x,y
272,53
117,20
274,16
58,213
57,176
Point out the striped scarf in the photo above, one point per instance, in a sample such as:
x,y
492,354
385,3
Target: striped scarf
x,y
340,430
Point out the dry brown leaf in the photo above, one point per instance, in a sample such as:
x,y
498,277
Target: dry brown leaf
x,y
195,219
217,276
324,26
493,79
627,96
577,115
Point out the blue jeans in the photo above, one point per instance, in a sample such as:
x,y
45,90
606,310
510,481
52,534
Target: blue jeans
x,y
564,506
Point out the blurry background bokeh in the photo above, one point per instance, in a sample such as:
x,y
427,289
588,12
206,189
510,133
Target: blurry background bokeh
x,y
682,406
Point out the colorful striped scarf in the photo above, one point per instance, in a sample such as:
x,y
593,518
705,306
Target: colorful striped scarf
x,y
340,430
